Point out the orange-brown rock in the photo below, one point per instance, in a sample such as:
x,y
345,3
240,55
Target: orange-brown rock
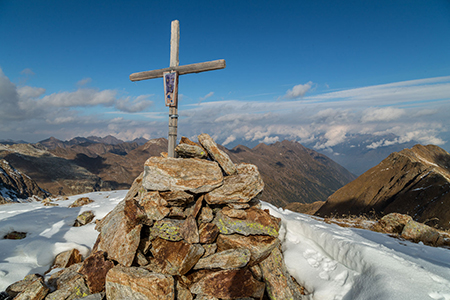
x,y
36,290
208,233
240,188
419,232
177,198
180,256
279,283
137,283
95,268
178,174
81,201
63,277
260,246
67,258
120,232
218,155
206,215
228,259
189,230
393,222
154,205
229,284
19,286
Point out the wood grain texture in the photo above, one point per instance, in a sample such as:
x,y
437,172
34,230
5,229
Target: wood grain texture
x,y
185,69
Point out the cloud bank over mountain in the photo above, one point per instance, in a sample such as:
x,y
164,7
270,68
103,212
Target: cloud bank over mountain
x,y
393,113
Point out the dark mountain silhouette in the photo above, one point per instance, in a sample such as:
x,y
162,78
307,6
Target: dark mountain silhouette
x,y
413,181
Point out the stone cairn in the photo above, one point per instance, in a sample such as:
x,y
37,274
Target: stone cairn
x,y
189,228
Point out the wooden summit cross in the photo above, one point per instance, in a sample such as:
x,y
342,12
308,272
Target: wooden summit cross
x,y
170,75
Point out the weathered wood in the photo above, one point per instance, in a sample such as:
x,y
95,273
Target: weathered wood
x,y
175,44
185,69
173,110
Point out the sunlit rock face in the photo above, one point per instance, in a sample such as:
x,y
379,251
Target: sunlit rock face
x,y
413,181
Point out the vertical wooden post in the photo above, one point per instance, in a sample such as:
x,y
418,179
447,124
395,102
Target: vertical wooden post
x,y
173,110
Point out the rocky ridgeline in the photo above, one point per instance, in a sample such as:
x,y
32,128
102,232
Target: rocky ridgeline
x,y
189,228
17,187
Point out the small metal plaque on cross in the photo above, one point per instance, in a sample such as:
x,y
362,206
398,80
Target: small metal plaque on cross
x,y
171,88
170,75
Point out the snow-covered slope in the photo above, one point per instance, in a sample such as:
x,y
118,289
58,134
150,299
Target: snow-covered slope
x,y
330,261
347,263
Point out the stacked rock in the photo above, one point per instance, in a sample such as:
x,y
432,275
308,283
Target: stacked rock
x,y
189,228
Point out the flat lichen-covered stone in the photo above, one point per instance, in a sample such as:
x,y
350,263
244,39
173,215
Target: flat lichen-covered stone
x,y
186,150
168,229
240,188
257,221
74,289
178,174
138,284
218,155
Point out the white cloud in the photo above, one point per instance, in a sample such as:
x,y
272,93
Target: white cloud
x,y
384,114
133,105
333,136
27,72
207,96
298,91
27,92
270,140
81,97
228,140
84,81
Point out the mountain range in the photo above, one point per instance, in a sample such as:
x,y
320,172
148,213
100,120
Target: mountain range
x,y
292,173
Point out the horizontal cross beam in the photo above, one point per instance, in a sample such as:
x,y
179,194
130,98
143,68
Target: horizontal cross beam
x,y
186,69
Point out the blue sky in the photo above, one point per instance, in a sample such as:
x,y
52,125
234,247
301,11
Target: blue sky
x,y
319,72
